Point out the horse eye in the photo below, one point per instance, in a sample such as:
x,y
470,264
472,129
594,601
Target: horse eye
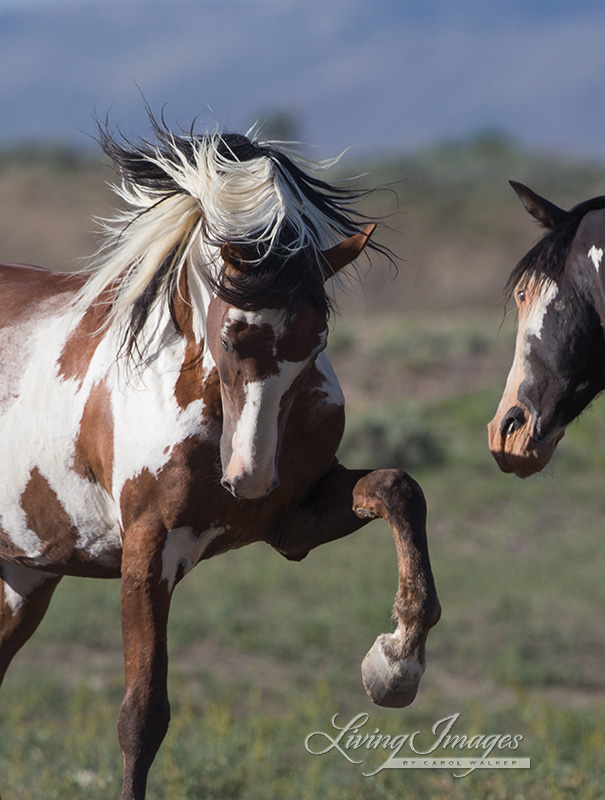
x,y
521,295
226,346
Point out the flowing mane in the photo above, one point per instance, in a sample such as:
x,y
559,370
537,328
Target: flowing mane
x,y
185,196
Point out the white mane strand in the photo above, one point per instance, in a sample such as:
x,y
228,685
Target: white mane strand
x,y
184,197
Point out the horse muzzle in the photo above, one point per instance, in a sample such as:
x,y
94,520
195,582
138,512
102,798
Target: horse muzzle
x,y
515,446
249,486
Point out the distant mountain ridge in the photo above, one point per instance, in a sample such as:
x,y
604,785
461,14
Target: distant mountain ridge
x,y
388,75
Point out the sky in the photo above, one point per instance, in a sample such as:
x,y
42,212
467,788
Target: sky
x,y
391,75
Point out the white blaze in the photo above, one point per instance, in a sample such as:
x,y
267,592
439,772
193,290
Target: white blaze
x,y
532,322
256,434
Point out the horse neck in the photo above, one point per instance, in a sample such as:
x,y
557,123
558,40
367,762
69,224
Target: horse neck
x,y
171,338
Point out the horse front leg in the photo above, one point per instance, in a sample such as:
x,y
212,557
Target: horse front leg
x,y
395,663
341,503
145,711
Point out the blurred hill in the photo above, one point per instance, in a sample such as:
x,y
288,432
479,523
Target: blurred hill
x,y
458,226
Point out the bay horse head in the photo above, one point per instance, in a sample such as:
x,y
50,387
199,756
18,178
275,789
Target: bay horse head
x,y
559,361
263,348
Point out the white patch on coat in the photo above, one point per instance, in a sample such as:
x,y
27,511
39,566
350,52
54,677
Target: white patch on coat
x,y
148,422
19,582
184,549
533,319
331,385
595,254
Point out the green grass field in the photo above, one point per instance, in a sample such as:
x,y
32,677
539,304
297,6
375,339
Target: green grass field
x,y
265,652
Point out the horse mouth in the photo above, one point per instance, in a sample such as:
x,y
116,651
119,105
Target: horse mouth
x,y
523,466
241,491
516,450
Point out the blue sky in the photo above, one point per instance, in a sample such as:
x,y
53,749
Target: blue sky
x,y
392,74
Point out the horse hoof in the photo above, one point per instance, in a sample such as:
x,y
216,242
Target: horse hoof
x,y
363,513
389,681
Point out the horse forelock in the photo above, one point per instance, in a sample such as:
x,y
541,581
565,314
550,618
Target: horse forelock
x,y
546,261
185,196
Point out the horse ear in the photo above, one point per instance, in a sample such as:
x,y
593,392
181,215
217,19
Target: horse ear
x,y
234,257
548,214
345,252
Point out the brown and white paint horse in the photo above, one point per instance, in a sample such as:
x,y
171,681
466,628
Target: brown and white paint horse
x,y
559,363
176,403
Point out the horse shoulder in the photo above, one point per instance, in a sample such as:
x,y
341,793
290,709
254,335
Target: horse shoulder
x,y
327,383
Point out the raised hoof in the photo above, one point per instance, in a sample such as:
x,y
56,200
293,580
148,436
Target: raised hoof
x,y
389,682
363,513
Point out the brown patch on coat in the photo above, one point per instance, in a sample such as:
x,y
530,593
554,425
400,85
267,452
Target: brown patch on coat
x,y
188,386
306,334
138,498
46,517
25,287
82,343
211,394
94,447
313,428
255,346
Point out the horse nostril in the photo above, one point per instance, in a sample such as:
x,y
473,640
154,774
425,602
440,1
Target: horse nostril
x,y
226,484
513,420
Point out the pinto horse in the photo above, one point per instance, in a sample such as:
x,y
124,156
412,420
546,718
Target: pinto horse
x,y
559,363
175,403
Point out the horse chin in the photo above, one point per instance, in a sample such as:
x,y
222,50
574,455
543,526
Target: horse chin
x,y
521,454
521,466
244,486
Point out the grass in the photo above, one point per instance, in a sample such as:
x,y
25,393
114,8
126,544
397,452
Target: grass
x,y
264,651
233,747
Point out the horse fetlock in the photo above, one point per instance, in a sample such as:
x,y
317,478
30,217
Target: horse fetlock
x,y
420,615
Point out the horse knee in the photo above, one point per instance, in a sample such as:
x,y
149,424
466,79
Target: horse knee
x,y
387,493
